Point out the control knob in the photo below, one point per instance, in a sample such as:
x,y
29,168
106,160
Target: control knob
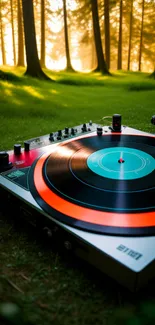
x,y
116,123
59,135
4,161
17,149
99,131
66,135
72,131
66,130
84,128
51,137
26,146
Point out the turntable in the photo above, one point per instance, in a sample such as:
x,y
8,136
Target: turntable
x,y
91,188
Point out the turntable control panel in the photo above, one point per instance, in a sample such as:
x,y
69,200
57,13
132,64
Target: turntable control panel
x,y
23,157
61,135
20,157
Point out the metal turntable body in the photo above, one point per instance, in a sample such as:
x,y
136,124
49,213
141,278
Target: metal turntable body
x,y
119,249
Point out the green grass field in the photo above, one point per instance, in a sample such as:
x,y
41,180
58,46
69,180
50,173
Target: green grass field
x,y
48,287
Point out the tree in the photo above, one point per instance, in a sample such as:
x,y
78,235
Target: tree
x,y
152,75
67,49
13,32
119,62
20,62
148,48
2,37
42,49
102,66
33,64
130,34
141,36
107,32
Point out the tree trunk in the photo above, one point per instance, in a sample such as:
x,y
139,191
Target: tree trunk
x,y
33,63
93,57
141,37
107,32
13,32
42,50
2,37
130,34
152,75
101,64
119,63
68,58
20,62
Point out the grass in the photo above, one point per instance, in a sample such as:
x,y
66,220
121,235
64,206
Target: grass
x,y
29,107
48,286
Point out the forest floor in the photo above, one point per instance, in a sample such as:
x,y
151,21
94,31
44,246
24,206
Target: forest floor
x,y
47,286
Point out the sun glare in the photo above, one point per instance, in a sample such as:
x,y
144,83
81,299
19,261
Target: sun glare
x,y
58,4
55,45
8,46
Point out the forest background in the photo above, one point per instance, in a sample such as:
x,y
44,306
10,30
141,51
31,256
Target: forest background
x,y
80,34
62,63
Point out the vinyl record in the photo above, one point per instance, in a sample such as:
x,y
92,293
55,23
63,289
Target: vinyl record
x,y
103,184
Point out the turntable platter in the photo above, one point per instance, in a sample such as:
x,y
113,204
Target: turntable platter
x,y
101,184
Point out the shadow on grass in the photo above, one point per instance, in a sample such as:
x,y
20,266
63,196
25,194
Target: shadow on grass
x,y
9,76
141,86
27,98
133,81
128,80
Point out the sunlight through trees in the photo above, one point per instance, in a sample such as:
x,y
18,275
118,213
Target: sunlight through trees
x,y
82,35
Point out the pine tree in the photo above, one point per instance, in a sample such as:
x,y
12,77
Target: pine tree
x,y
67,47
2,36
42,49
102,66
20,62
33,63
141,36
119,62
107,32
130,34
13,32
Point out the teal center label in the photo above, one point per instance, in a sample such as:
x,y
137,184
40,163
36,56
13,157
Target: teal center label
x,y
105,163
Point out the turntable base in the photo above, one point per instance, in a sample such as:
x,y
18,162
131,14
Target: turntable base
x,y
94,192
